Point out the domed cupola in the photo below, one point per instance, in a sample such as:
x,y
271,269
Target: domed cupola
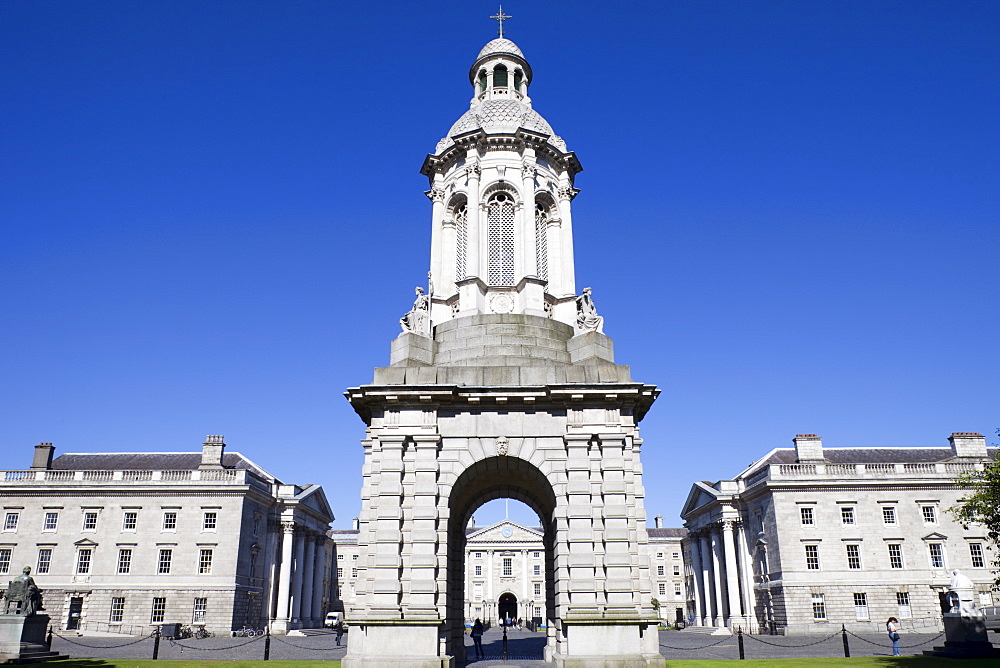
x,y
501,183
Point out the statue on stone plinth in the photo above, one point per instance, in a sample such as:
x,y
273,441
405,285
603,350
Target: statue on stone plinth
x,y
587,319
23,595
960,595
418,319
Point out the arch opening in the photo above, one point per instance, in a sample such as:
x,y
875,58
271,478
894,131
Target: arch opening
x,y
517,591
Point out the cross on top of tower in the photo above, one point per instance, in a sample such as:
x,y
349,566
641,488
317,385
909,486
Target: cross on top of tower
x,y
500,17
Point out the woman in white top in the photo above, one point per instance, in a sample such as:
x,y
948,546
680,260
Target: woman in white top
x,y
892,628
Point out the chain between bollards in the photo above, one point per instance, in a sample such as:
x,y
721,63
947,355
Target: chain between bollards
x,y
267,643
843,635
739,639
156,643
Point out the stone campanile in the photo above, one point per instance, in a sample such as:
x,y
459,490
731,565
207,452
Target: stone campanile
x,y
502,384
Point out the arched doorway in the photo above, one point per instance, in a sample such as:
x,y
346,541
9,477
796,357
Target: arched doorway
x,y
507,606
500,477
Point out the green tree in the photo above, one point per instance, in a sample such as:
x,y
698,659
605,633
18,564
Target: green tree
x,y
982,504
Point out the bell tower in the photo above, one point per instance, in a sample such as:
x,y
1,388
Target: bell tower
x,y
501,183
502,384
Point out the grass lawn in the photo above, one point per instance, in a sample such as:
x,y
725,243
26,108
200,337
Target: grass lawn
x,y
871,661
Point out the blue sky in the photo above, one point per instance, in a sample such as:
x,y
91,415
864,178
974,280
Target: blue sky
x,y
213,218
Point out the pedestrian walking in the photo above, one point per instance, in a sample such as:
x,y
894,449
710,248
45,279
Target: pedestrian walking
x,y
477,637
892,628
339,628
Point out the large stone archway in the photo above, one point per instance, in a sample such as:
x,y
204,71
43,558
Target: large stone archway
x,y
554,429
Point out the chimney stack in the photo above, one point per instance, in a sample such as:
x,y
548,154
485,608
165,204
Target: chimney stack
x,y
472,521
211,452
43,457
356,524
808,448
658,521
968,444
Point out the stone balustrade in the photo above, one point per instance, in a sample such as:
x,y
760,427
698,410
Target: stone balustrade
x,y
214,476
788,472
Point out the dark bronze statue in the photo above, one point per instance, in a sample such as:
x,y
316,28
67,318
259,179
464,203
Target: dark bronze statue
x,y
23,595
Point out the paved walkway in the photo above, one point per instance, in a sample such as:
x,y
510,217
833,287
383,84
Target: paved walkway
x,y
524,647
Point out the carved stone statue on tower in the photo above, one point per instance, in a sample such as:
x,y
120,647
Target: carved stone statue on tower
x,y
418,319
587,319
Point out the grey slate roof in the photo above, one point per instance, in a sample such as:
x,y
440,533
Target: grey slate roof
x,y
873,455
149,461
668,532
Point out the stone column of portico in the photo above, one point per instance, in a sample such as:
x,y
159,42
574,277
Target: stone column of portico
x,y
568,282
621,570
473,262
698,580
706,577
720,607
553,231
436,196
732,575
319,575
423,559
580,551
524,579
309,552
284,577
746,574
489,580
297,570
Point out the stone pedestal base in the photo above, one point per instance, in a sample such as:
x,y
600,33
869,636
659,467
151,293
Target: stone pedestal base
x,y
396,644
965,639
22,639
608,645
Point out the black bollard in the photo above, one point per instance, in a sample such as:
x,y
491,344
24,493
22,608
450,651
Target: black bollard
x,y
156,644
843,635
739,639
504,642
48,639
267,643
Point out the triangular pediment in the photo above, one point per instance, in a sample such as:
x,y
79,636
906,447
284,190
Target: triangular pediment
x,y
312,497
85,542
505,532
701,494
935,536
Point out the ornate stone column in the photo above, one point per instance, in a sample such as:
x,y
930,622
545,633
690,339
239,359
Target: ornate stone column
x,y
529,263
473,263
423,530
436,196
706,576
285,577
746,575
385,583
568,282
580,553
698,579
305,608
297,571
319,573
732,573
720,608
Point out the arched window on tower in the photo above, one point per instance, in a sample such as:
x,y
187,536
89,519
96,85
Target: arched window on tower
x,y
500,239
482,81
518,79
499,76
461,214
541,240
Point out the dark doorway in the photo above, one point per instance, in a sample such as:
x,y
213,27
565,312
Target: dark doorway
x,y
507,606
75,608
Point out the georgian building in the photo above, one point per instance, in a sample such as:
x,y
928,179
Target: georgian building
x,y
124,541
667,570
809,538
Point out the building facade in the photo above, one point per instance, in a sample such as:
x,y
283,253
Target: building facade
x,y
126,541
809,538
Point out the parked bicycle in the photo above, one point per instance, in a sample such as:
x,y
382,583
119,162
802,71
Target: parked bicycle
x,y
248,632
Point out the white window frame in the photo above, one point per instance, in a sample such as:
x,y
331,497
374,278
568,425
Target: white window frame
x,y
169,520
164,561
90,520
124,560
853,560
199,611
929,514
10,521
847,515
130,520
812,557
205,557
977,554
889,515
158,611
902,560
210,520
819,608
51,521
5,556
117,612
903,607
861,606
936,557
807,516
43,566
84,560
